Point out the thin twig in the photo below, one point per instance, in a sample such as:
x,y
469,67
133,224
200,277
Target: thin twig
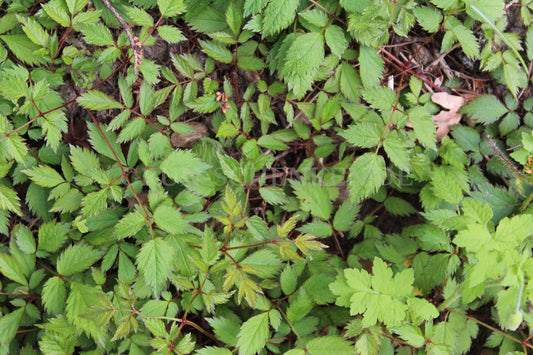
x,y
135,45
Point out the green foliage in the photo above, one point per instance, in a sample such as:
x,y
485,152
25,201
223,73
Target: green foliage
x,y
264,176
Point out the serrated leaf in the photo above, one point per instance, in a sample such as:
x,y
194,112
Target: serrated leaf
x,y
345,216
181,165
9,200
9,325
23,49
170,34
97,33
52,236
170,220
24,238
350,82
330,344
77,258
44,176
429,18
216,51
253,334
397,152
54,295
132,130
171,8
372,66
336,40
288,280
278,15
154,261
97,100
10,268
367,174
140,17
57,14
314,198
273,195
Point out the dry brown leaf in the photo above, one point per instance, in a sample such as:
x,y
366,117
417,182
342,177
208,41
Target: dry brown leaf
x,y
447,118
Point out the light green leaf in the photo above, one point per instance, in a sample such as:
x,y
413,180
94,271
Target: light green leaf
x,y
330,344
288,280
336,40
52,236
273,195
171,8
428,17
181,165
397,152
154,261
10,268
372,66
9,200
350,82
170,34
216,51
9,325
24,238
170,220
253,335
97,33
77,258
97,100
44,176
278,15
54,295
367,174
140,17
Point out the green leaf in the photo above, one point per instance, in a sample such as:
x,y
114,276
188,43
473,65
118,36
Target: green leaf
x,y
313,197
397,152
23,49
251,7
336,40
105,142
305,54
270,142
250,63
372,66
24,238
288,280
34,31
97,100
77,258
428,17
11,269
171,8
345,216
57,14
412,334
257,227
205,104
367,174
273,195
278,15
9,200
140,17
170,34
146,98
182,165
234,17
54,295
350,82
9,325
52,236
133,129
170,220
253,335
44,176
330,344
364,135
97,33
216,51
154,261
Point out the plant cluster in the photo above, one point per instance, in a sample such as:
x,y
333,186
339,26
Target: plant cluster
x,y
243,176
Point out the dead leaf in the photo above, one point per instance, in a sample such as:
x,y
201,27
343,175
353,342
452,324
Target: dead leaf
x,y
187,140
445,119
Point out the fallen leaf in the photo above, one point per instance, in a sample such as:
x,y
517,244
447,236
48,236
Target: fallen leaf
x,y
446,118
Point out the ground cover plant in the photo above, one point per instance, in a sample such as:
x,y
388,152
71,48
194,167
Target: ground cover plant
x,y
266,176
